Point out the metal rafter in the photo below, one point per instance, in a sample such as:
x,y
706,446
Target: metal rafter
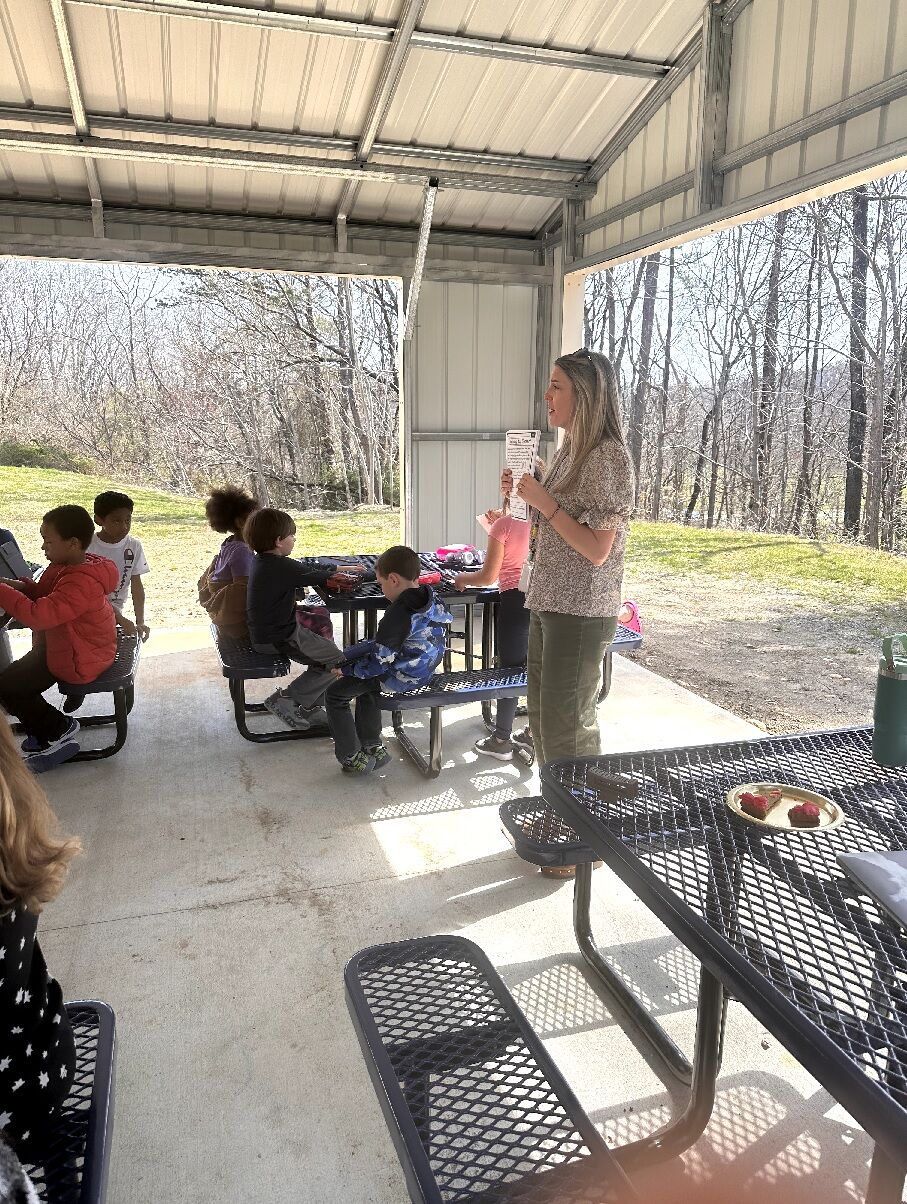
x,y
79,118
708,185
252,223
122,149
259,139
109,250
391,74
272,18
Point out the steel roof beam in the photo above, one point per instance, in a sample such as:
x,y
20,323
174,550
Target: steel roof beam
x,y
125,150
19,115
252,223
714,89
79,117
447,43
391,74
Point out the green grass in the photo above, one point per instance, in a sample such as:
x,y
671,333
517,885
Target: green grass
x,y
830,572
179,545
177,540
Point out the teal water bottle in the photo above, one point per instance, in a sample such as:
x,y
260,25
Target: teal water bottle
x,y
889,736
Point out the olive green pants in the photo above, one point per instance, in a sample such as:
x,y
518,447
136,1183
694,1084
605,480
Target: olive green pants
x,y
564,681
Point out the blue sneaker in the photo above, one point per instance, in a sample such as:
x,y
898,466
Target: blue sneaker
x,y
32,745
58,754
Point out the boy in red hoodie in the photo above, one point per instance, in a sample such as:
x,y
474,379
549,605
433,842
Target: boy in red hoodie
x,y
75,633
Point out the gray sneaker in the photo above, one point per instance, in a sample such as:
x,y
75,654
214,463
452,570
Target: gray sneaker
x,y
284,709
306,717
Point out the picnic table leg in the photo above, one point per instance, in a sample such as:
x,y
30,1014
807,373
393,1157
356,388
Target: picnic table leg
x,y
886,1179
469,636
669,1056
683,1132
431,767
488,651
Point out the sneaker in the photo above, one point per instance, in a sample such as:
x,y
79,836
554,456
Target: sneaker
x,y
72,702
306,717
491,746
284,709
32,745
523,737
40,762
360,763
379,755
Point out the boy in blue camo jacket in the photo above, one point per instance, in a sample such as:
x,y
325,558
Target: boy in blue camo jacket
x,y
408,646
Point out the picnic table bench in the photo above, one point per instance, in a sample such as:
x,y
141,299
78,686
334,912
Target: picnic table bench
x,y
118,680
75,1165
241,663
457,689
476,1106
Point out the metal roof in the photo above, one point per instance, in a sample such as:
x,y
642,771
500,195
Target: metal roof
x,y
283,98
599,127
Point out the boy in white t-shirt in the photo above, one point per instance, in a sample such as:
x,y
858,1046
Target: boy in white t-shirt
x,y
113,515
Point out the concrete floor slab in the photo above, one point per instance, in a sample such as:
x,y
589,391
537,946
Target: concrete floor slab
x,y
224,885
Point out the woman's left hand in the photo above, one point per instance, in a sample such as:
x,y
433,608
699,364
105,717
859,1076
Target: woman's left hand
x,y
535,494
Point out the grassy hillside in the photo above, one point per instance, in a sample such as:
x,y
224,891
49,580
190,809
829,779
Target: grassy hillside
x,y
178,542
843,574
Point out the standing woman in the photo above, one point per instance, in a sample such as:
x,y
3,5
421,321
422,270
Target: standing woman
x,y
576,557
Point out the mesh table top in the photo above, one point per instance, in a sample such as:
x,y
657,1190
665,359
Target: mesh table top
x,y
770,911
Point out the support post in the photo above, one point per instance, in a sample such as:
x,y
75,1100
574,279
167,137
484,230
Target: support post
x,y
717,34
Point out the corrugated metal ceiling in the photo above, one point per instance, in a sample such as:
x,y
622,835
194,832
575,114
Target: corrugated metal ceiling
x,y
142,64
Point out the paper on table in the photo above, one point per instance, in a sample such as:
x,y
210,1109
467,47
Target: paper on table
x,y
520,454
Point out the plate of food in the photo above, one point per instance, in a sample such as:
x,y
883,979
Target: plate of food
x,y
788,808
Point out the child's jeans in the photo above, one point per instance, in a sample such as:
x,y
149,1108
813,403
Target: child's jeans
x,y
350,735
307,648
21,687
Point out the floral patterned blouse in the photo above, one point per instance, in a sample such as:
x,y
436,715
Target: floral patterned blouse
x,y
602,499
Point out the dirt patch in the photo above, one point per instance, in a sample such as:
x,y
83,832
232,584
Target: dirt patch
x,y
782,661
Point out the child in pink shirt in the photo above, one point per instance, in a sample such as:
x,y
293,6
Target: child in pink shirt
x,y
508,547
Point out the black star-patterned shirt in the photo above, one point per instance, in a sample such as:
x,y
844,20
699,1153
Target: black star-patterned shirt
x,y
37,1052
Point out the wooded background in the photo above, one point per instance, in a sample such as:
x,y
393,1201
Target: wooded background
x,y
179,378
763,374
764,370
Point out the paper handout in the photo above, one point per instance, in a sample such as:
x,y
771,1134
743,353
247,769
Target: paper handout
x,y
520,455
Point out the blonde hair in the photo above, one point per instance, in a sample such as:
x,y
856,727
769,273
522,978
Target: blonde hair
x,y
596,416
34,857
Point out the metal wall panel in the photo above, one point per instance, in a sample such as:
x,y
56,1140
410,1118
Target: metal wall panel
x,y
791,59
470,368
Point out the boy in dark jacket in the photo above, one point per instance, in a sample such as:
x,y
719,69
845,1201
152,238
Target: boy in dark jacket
x,y
408,646
75,633
274,578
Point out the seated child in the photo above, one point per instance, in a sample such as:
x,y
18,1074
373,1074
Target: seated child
x,y
508,547
113,514
37,1052
222,586
408,646
76,634
274,578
